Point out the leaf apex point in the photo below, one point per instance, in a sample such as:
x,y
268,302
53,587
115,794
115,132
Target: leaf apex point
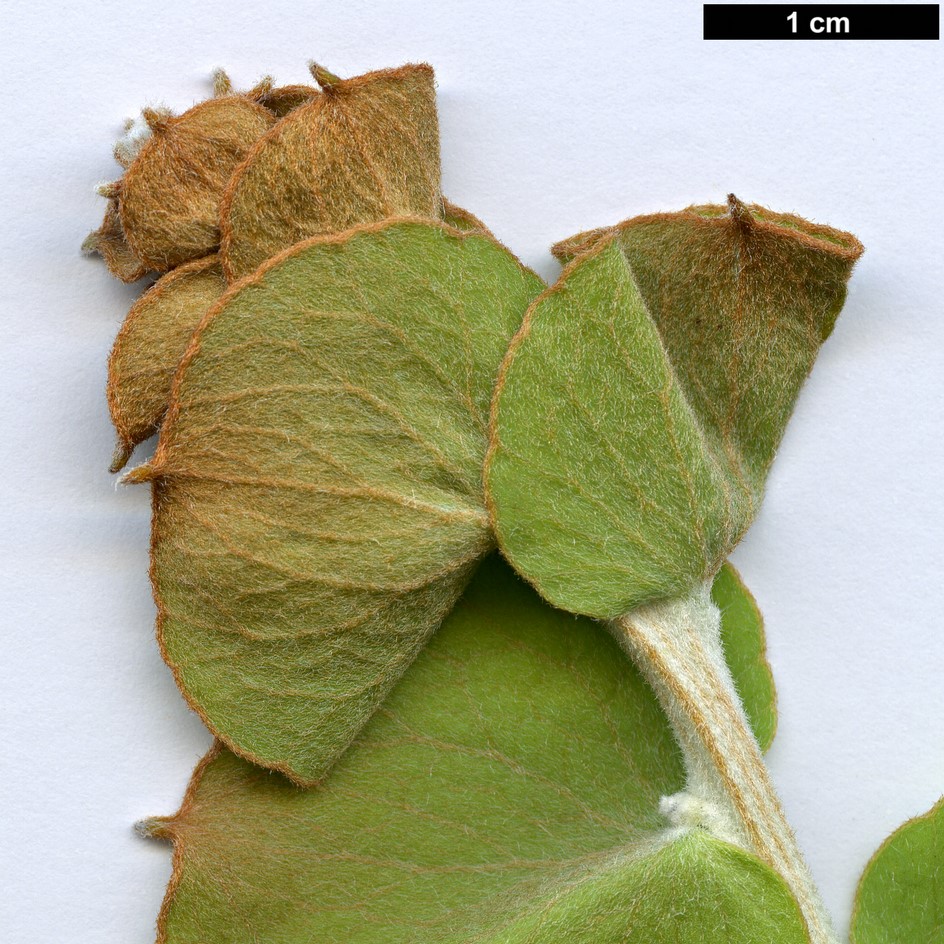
x,y
90,245
262,88
109,189
155,827
325,79
121,455
222,84
739,211
156,119
147,472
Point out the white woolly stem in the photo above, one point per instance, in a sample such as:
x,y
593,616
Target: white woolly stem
x,y
677,646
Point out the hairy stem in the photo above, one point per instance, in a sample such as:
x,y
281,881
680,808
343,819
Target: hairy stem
x,y
677,646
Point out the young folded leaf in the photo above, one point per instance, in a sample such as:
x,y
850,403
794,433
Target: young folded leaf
x,y
366,149
506,791
642,401
169,197
900,899
318,501
149,347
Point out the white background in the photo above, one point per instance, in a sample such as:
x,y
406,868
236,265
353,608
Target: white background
x,y
555,117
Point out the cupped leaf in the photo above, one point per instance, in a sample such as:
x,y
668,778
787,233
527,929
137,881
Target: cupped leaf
x,y
743,298
169,198
641,403
900,899
318,505
364,150
505,791
150,345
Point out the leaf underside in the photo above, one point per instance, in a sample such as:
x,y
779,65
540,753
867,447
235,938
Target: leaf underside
x,y
318,502
506,791
900,899
640,405
364,150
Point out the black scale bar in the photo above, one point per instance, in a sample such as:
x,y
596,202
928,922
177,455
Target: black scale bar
x,y
822,21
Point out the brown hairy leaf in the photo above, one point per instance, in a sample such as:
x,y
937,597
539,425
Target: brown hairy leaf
x,y
170,194
460,218
568,249
364,150
149,347
286,98
110,243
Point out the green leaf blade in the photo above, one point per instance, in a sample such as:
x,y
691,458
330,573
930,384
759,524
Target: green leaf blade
x,y
745,651
519,756
318,503
602,492
900,899
691,890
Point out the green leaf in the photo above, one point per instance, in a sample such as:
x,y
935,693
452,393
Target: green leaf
x,y
745,651
691,890
318,498
507,791
150,345
641,403
900,899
